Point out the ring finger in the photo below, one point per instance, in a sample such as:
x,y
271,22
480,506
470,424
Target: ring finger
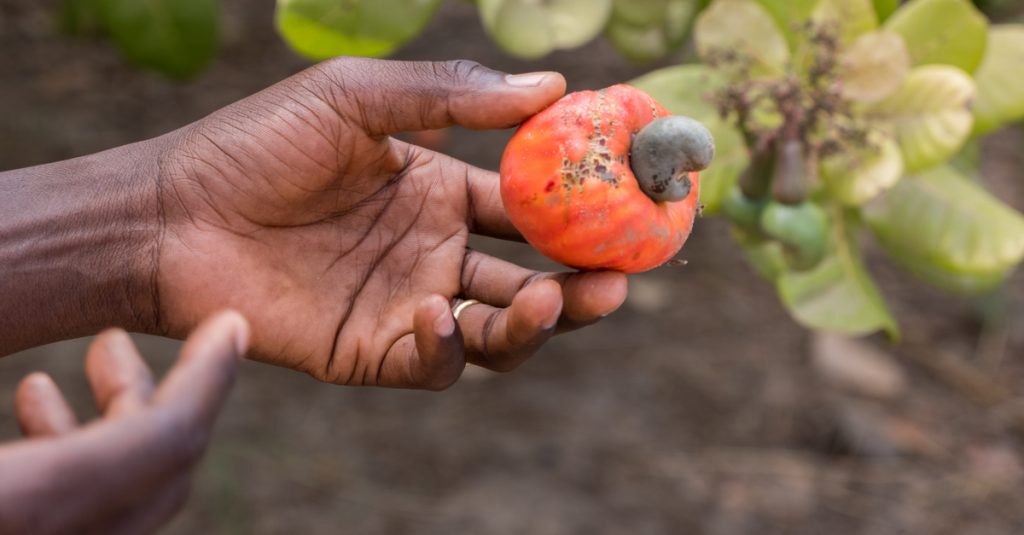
x,y
501,339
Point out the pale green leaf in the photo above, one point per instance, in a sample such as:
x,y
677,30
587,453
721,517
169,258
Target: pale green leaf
x,y
789,16
685,90
948,230
175,37
1000,79
853,18
744,29
929,114
856,176
320,29
531,29
838,295
874,66
731,159
951,32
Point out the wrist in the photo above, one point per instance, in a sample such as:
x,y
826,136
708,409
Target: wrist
x,y
78,246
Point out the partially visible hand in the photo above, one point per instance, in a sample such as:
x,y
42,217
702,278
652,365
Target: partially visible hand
x,y
345,247
129,471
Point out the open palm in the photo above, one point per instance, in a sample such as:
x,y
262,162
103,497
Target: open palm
x,y
344,247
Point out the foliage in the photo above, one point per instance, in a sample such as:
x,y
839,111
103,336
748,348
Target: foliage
x,y
175,37
858,109
179,37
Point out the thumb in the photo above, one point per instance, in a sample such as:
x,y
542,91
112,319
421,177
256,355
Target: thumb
x,y
386,97
198,384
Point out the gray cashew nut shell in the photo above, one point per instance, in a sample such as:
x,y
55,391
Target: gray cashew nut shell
x,y
664,153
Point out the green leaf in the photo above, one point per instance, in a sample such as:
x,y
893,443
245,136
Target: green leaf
x,y
838,295
789,15
746,30
731,159
176,37
80,17
320,29
685,90
855,177
646,30
874,66
946,229
1000,85
929,114
531,29
950,32
647,12
968,160
885,8
853,17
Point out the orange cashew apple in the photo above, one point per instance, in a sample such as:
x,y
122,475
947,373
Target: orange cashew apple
x,y
605,179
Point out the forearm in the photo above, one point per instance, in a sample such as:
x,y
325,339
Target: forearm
x,y
78,247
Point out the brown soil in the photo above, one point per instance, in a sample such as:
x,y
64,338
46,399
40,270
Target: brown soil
x,y
694,409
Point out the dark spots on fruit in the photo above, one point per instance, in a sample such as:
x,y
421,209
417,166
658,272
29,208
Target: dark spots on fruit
x,y
596,163
550,187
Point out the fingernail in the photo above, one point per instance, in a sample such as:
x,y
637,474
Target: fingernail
x,y
550,324
444,324
530,79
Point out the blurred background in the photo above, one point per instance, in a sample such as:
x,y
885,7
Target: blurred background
x,y
700,407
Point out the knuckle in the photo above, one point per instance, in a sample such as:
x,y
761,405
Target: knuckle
x,y
459,69
470,266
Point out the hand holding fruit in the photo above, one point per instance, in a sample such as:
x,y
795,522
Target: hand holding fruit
x,y
344,247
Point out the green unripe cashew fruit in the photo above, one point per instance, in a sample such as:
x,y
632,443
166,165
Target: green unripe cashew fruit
x,y
802,230
743,212
646,30
665,152
531,28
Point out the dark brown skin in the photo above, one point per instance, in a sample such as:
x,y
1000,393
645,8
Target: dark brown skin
x,y
128,471
343,247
